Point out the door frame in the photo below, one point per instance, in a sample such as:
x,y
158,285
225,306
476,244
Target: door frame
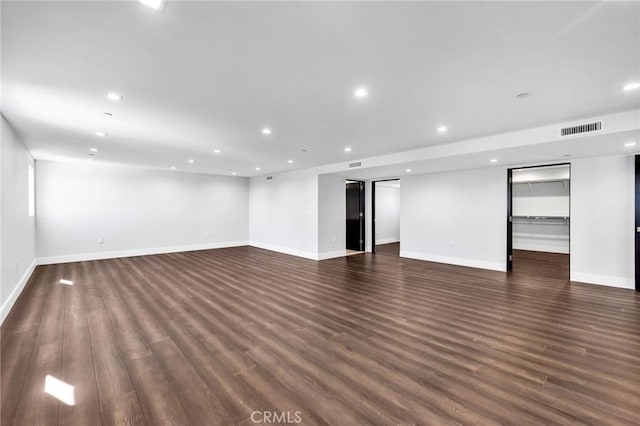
x,y
636,230
373,210
509,256
361,203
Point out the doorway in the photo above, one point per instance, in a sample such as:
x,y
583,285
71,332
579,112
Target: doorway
x,y
355,216
538,221
385,217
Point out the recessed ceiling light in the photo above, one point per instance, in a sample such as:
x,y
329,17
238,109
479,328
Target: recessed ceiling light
x,y
217,151
290,161
93,149
113,96
442,129
347,149
258,168
191,161
630,144
233,173
522,95
173,167
494,160
101,134
631,86
361,92
153,4
408,170
266,131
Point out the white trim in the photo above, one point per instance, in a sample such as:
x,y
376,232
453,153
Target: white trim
x,y
138,252
285,250
460,261
606,280
531,246
15,293
331,254
390,240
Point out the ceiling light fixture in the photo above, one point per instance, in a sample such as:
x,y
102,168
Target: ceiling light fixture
x,y
630,144
347,149
191,161
494,160
89,159
266,131
153,4
442,129
258,168
101,134
93,149
173,167
216,151
631,86
290,161
233,173
113,96
361,92
408,170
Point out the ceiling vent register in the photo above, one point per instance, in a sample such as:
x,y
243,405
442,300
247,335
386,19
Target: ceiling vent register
x,y
582,128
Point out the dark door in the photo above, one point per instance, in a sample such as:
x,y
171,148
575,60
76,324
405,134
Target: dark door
x,y
355,216
509,220
636,231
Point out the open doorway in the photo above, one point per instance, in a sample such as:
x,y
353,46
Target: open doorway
x,y
385,217
355,216
538,221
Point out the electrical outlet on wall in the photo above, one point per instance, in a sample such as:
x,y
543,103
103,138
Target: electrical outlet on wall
x,y
100,240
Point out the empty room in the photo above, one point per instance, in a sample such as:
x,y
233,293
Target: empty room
x,y
319,213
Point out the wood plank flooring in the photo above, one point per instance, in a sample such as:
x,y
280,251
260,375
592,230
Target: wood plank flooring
x,y
541,264
210,337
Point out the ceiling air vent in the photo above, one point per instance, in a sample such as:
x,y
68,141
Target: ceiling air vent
x,y
269,178
355,164
583,128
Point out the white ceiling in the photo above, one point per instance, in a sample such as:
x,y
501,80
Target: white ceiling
x,y
210,75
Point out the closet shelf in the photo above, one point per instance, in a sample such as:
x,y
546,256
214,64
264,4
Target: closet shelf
x,y
542,217
565,180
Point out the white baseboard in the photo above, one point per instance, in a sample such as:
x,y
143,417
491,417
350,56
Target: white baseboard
x,y
539,247
382,241
472,263
607,280
17,290
138,252
285,250
331,254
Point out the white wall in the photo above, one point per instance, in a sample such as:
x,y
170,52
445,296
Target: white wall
x,y
602,221
284,213
332,223
455,217
136,211
387,213
17,228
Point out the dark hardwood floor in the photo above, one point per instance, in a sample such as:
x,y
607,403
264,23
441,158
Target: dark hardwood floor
x,y
210,337
541,264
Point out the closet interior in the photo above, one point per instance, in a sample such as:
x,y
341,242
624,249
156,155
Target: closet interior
x,y
541,220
